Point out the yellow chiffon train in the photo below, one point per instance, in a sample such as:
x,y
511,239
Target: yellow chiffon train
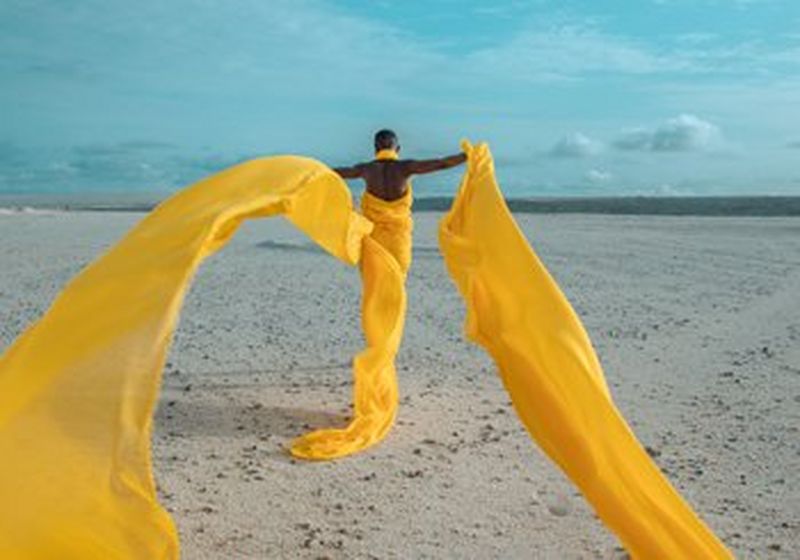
x,y
78,388
384,263
517,312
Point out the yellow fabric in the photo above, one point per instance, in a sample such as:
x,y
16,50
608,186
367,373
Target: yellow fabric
x,y
392,219
78,388
385,261
393,224
517,312
387,154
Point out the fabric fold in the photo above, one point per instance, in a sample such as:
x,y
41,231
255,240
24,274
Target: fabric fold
x,y
78,388
517,312
386,256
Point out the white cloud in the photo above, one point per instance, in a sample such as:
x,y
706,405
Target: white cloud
x,y
570,51
575,145
281,46
684,133
574,51
598,176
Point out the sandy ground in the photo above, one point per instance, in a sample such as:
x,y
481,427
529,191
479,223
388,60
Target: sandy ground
x,y
697,322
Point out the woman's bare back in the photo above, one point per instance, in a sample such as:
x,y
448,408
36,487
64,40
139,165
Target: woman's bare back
x,y
386,179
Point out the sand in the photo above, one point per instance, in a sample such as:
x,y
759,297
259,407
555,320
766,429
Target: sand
x,y
696,320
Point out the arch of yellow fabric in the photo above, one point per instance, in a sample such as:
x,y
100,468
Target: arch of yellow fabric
x,y
78,388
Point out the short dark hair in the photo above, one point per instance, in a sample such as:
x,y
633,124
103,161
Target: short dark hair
x,y
385,139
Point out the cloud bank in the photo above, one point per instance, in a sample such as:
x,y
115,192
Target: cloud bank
x,y
684,133
576,145
598,176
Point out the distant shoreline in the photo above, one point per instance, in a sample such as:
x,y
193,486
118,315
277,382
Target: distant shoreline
x,y
756,206
642,205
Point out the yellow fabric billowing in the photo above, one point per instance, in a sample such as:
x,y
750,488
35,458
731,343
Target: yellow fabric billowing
x,y
78,388
385,260
517,312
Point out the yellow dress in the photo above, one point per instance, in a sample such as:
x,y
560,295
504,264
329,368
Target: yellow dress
x,y
386,256
78,387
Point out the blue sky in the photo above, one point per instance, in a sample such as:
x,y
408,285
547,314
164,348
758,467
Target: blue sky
x,y
575,97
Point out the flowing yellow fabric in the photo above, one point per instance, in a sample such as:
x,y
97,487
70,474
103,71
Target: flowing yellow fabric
x,y
517,312
78,388
385,260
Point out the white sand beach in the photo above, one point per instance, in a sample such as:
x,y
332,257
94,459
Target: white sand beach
x,y
696,321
